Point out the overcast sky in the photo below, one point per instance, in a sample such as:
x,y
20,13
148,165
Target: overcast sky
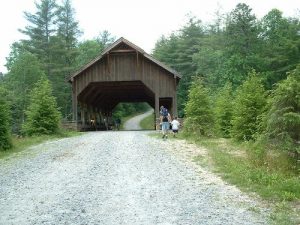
x,y
141,22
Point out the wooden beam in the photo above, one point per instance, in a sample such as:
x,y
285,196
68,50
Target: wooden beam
x,y
122,51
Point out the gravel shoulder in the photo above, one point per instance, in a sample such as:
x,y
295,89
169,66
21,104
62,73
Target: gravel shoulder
x,y
121,177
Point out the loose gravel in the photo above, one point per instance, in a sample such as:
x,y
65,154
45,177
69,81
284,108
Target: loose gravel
x,y
113,178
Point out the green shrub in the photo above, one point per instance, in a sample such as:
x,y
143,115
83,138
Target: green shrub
x,y
224,110
283,118
43,116
198,110
249,104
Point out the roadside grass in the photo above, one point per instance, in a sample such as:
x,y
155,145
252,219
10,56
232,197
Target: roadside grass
x,y
255,168
21,143
148,123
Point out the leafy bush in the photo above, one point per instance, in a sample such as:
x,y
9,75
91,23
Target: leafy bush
x,y
198,110
249,104
43,116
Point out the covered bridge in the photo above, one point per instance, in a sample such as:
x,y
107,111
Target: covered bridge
x,y
122,73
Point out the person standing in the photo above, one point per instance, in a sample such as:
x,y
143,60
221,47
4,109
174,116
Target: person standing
x,y
175,126
118,123
165,120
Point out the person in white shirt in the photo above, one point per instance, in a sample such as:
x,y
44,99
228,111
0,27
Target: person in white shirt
x,y
175,126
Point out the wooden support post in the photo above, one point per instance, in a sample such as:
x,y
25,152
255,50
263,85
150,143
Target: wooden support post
x,y
108,63
137,60
175,113
83,116
156,110
74,103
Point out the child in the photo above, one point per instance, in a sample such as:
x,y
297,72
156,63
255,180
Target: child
x,y
175,126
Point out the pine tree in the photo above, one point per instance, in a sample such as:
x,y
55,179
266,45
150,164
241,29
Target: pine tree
x,y
241,45
283,118
249,104
64,55
43,116
281,48
198,110
88,50
41,31
67,33
5,139
224,110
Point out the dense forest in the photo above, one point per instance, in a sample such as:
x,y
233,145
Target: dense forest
x,y
240,74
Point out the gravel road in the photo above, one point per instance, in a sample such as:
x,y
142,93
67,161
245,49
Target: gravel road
x,y
134,122
112,177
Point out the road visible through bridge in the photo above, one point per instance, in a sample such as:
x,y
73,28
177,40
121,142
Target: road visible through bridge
x,y
134,122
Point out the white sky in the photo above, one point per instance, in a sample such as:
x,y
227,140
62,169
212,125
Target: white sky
x,y
141,22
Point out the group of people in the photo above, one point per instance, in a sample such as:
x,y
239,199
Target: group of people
x,y
167,122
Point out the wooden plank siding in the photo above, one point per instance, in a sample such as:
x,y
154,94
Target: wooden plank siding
x,y
123,68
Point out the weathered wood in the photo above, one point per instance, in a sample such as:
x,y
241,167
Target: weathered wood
x,y
124,72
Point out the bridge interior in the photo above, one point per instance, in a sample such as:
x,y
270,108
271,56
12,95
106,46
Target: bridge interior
x,y
107,95
99,99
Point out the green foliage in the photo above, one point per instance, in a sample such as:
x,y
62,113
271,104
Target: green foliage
x,y
148,122
268,184
90,49
63,55
242,45
224,110
40,31
43,116
273,178
241,30
198,110
5,138
177,51
283,118
52,37
209,60
24,72
126,109
249,104
281,50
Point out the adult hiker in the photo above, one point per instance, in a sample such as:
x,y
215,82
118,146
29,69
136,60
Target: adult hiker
x,y
165,120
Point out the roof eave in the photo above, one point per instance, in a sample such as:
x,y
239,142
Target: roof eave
x,y
106,51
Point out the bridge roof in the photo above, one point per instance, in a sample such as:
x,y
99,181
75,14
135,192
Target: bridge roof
x,y
133,46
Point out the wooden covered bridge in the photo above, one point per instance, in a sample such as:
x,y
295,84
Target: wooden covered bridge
x,y
122,73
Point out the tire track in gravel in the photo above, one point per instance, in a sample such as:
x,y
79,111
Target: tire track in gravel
x,y
116,178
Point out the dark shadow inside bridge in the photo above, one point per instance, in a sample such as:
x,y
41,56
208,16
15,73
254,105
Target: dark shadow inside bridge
x,y
99,99
106,95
